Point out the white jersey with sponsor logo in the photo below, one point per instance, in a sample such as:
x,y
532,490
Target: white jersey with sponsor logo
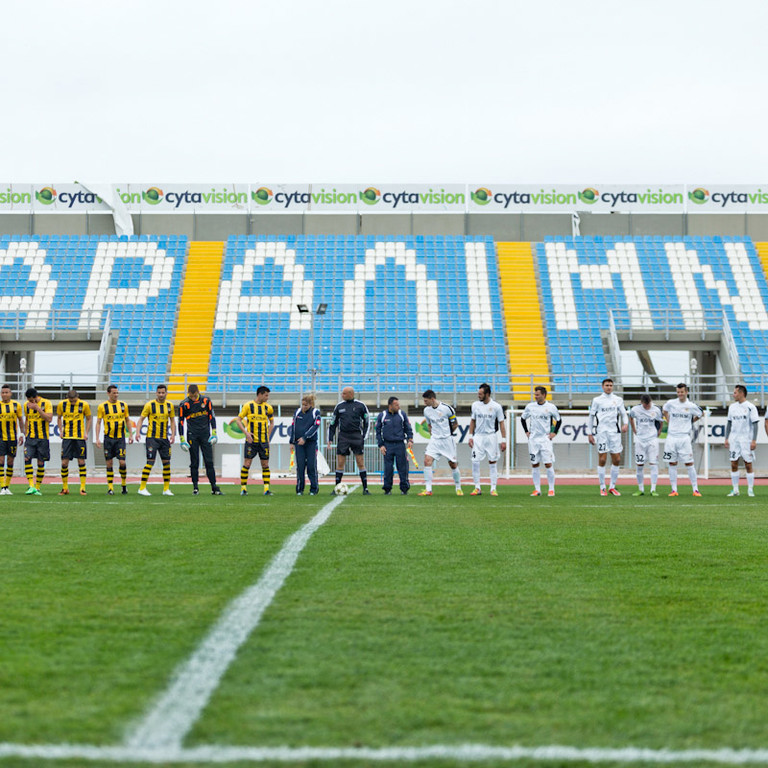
x,y
681,416
606,414
742,416
487,417
440,419
646,420
540,418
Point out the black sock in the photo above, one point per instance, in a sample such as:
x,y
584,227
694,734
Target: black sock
x,y
339,477
364,478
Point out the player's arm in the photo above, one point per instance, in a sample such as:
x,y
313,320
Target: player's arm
x,y
503,430
88,421
182,419
20,419
524,422
591,422
659,424
240,423
379,435
128,430
700,414
624,417
59,417
453,422
211,421
172,420
144,415
313,430
728,425
366,418
471,441
555,424
335,421
408,430
271,424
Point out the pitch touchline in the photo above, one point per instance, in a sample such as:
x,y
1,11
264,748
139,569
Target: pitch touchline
x,y
178,708
463,752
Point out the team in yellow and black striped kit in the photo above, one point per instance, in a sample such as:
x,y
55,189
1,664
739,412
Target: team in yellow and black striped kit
x,y
38,414
117,425
161,432
73,417
256,419
11,436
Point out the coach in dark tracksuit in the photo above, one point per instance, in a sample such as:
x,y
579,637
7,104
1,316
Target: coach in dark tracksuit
x,y
196,412
392,431
303,435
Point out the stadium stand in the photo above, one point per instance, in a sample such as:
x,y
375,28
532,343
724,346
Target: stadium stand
x,y
71,282
651,283
403,313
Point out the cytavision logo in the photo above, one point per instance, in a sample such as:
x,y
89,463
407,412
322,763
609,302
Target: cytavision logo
x,y
46,196
698,196
422,429
723,199
370,196
233,430
153,195
589,195
482,196
11,197
263,196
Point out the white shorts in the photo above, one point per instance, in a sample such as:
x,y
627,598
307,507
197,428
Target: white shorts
x,y
441,446
647,451
740,450
608,442
485,447
540,450
678,448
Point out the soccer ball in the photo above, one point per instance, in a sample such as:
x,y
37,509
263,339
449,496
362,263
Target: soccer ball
x,y
342,489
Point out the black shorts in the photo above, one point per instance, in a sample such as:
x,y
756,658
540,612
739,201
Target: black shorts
x,y
114,448
349,443
74,449
8,448
257,449
37,448
159,445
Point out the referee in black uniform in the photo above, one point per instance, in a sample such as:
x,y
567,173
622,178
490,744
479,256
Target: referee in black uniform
x,y
197,413
351,419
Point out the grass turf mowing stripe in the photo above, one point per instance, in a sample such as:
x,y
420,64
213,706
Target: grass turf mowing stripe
x,y
465,753
177,710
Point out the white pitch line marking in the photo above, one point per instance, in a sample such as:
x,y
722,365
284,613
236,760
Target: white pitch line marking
x,y
462,752
193,682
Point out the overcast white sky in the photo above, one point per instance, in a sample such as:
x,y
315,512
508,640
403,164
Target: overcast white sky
x,y
405,90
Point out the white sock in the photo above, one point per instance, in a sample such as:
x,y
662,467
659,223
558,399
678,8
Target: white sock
x,y
692,477
673,477
735,480
750,480
601,476
614,475
536,474
457,477
640,477
494,472
654,476
476,473
551,478
428,472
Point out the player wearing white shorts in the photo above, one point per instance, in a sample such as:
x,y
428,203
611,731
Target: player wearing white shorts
x,y
441,422
645,420
741,438
608,420
680,414
541,422
487,419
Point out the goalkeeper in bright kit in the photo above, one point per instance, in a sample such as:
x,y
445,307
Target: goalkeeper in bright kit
x,y
196,413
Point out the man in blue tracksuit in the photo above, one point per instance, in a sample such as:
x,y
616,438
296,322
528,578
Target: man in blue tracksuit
x,y
392,431
303,436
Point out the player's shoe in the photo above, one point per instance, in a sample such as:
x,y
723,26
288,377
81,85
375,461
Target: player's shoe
x,y
144,492
64,492
697,492
83,492
494,492
639,493
551,492
366,492
216,491
387,493
750,492
654,493
734,492
9,492
425,493
36,491
476,492
169,492
124,492
603,491
459,492
536,493
195,491
268,493
243,492
674,493
110,492
313,493
613,492
30,491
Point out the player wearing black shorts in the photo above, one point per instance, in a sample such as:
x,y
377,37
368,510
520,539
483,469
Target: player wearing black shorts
x,y
114,414
38,415
160,421
11,436
351,419
256,420
74,423
196,412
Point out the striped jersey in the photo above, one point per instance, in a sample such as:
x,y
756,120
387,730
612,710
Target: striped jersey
x,y
113,415
73,417
9,413
37,426
158,416
256,417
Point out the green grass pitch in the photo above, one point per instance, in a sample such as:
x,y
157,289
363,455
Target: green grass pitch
x,y
576,620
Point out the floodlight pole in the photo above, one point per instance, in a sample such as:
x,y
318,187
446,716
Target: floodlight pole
x,y
305,310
